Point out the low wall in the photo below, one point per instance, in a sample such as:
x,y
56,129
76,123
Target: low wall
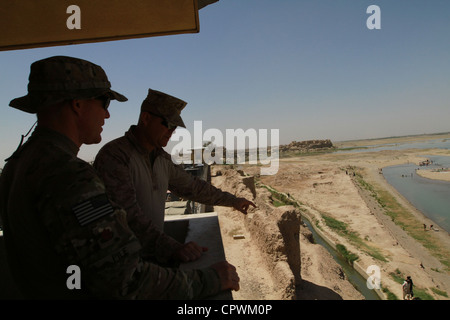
x,y
275,231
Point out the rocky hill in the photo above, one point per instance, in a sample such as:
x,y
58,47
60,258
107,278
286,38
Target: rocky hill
x,y
306,146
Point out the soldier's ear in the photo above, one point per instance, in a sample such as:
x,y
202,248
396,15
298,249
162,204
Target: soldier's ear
x,y
75,105
78,106
144,117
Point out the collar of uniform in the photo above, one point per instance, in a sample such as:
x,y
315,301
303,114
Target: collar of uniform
x,y
130,135
58,138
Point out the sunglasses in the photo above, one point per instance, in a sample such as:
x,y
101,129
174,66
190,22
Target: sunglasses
x,y
164,122
168,125
105,101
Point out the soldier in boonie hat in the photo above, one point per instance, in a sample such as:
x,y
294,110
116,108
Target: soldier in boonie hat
x,y
165,106
56,79
55,210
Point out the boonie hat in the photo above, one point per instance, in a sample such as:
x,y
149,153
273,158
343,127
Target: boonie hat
x,y
165,106
55,79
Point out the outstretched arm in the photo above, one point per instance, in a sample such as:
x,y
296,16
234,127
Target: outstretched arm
x,y
242,205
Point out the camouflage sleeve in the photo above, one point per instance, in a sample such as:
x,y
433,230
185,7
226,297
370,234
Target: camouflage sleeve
x,y
113,168
87,230
187,186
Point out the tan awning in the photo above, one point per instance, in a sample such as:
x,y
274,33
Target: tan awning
x,y
30,23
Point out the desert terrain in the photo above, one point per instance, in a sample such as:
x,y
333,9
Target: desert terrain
x,y
332,187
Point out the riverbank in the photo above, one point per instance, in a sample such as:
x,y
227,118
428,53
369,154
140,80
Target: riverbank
x,y
391,140
435,175
346,192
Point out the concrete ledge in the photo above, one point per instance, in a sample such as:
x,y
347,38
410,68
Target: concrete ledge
x,y
181,217
204,229
175,207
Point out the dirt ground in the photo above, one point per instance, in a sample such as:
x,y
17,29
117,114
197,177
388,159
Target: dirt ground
x,y
322,277
256,281
324,186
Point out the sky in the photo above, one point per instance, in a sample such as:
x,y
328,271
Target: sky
x,y
310,68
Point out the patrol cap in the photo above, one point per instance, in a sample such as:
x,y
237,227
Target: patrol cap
x,y
55,79
165,106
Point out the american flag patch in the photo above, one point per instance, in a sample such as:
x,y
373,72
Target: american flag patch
x,y
92,209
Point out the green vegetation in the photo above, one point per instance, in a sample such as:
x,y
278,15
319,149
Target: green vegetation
x,y
397,213
397,276
389,294
277,203
422,294
348,255
338,226
280,199
342,229
439,292
419,292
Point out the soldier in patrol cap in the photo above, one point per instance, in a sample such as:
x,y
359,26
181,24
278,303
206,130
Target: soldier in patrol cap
x,y
164,106
137,173
55,210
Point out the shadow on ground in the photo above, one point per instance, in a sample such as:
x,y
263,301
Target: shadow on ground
x,y
310,291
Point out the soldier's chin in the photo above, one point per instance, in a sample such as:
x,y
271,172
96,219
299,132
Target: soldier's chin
x,y
94,140
164,143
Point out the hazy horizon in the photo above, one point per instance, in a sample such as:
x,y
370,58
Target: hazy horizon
x,y
311,69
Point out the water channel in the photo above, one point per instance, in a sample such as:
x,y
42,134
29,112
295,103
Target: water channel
x,y
356,279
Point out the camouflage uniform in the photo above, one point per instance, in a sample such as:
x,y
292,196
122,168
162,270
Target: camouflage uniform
x,y
141,187
56,213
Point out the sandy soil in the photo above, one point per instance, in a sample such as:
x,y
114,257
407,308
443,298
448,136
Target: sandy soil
x,y
437,175
322,277
256,281
324,185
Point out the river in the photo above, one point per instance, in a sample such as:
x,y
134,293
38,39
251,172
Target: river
x,y
428,144
431,197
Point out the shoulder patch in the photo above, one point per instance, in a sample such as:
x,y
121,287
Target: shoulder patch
x,y
92,209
